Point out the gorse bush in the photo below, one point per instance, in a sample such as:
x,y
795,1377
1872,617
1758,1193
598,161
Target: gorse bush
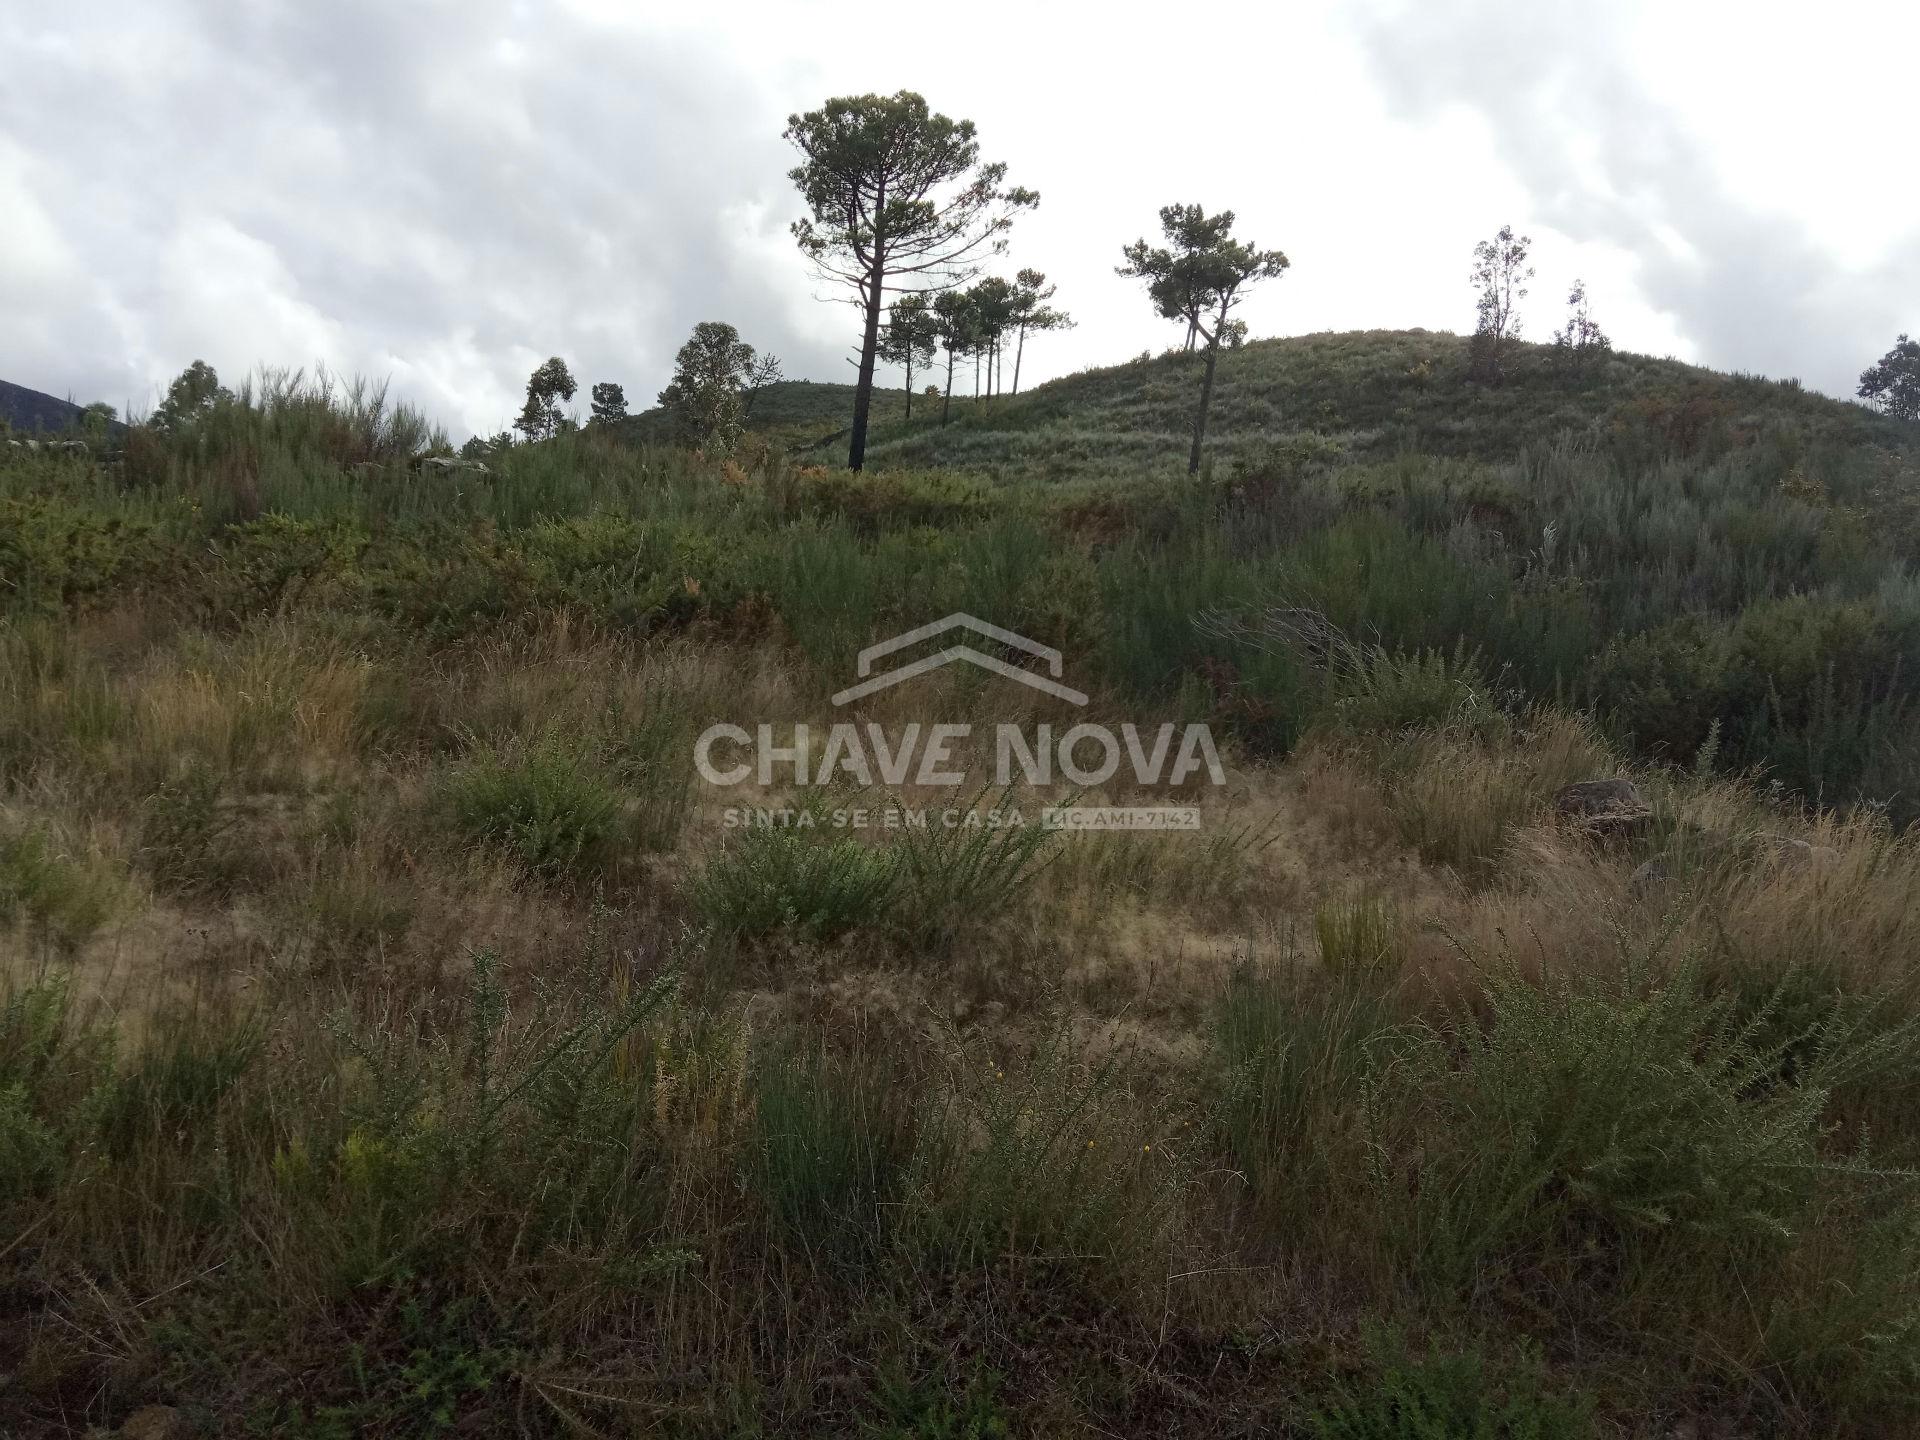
x,y
546,803
1625,1108
1449,1397
66,896
793,877
967,865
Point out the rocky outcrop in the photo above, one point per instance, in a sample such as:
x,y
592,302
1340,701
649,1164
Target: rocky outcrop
x,y
1605,809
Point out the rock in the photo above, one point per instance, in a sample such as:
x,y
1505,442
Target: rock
x,y
1605,809
450,465
1650,876
153,1422
1792,854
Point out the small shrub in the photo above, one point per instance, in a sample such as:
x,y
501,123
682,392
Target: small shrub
x,y
1386,693
1448,1397
967,873
188,840
789,877
30,1151
545,804
67,896
1633,1106
830,1149
936,1408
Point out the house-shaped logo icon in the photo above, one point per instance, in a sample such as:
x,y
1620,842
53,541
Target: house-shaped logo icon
x,y
869,682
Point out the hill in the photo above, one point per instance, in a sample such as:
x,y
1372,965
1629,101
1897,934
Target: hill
x,y
803,416
1367,393
30,411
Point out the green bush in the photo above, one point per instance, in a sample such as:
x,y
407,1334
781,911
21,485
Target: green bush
x,y
1665,688
1630,1106
791,877
1385,693
66,896
1448,1397
969,872
545,803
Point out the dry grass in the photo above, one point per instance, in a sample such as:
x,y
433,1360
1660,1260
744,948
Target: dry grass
x,y
1034,1106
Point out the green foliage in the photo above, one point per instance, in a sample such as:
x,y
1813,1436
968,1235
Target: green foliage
x,y
1597,1110
66,895
547,803
1499,278
1448,1397
1045,1154
192,394
548,388
1292,1052
830,1151
794,877
1893,381
968,872
705,396
609,403
1386,693
935,1408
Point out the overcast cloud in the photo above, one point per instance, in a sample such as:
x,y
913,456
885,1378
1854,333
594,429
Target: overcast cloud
x,y
445,194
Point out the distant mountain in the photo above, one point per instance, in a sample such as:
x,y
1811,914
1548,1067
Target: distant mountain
x,y
26,409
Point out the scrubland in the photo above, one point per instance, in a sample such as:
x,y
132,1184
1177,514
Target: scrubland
x,y
394,1039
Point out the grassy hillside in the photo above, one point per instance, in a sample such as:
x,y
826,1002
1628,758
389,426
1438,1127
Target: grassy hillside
x,y
803,416
1369,394
396,1036
31,412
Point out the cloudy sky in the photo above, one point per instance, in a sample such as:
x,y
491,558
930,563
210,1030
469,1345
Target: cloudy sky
x,y
446,193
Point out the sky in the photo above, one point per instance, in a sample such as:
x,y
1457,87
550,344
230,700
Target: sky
x,y
441,195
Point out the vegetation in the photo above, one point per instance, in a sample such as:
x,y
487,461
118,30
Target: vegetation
x,y
541,418
706,396
397,1036
1893,382
1499,278
895,193
1204,274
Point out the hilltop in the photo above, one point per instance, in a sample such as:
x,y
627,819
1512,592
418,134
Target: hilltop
x,y
1362,394
30,410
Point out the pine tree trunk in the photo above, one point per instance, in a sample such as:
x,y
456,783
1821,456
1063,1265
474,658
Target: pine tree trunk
x,y
909,388
869,347
1206,397
946,400
1019,350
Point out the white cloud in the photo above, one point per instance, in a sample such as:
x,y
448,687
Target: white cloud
x,y
449,192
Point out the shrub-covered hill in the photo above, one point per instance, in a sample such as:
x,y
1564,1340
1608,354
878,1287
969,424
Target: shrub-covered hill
x,y
1719,565
1370,393
803,416
30,410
